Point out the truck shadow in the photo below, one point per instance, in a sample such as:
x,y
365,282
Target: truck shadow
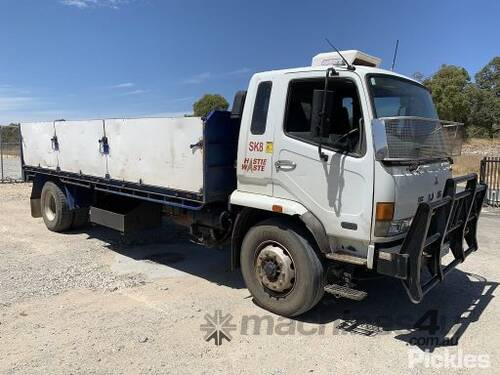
x,y
440,320
169,252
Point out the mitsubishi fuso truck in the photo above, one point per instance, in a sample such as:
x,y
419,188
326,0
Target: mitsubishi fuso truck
x,y
316,175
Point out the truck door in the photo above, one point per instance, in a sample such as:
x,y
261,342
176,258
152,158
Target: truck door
x,y
255,148
338,191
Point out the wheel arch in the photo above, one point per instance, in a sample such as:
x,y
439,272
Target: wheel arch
x,y
78,197
250,209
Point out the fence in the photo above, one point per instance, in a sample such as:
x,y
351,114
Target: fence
x,y
490,175
10,154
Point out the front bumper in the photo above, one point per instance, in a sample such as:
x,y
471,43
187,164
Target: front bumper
x,y
436,228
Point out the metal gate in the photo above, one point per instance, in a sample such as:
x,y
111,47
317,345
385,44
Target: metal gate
x,y
490,175
10,154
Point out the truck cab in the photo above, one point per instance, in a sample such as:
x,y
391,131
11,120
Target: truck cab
x,y
352,150
278,150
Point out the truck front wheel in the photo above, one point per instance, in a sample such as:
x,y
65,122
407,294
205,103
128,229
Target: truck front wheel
x,y
281,269
55,210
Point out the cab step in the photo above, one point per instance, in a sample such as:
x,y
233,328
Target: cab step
x,y
345,292
345,257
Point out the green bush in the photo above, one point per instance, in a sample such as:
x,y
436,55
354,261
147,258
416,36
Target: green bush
x,y
208,103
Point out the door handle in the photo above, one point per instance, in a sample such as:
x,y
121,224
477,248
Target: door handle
x,y
285,165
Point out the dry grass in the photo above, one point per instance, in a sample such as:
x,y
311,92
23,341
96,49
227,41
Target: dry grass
x,y
11,152
466,164
472,152
483,146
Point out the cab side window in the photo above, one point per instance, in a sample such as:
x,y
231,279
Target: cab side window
x,y
344,132
260,108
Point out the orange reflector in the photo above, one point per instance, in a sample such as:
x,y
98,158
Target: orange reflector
x,y
385,211
277,208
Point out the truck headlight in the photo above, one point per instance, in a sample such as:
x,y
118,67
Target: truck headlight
x,y
393,227
385,225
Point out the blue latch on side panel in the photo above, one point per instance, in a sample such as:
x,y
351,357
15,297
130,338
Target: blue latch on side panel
x,y
104,145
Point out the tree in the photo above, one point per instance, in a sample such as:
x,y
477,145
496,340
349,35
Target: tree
x,y
449,87
476,104
484,112
484,98
10,133
488,78
208,103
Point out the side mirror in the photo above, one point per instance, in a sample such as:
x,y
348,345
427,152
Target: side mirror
x,y
379,139
318,127
238,105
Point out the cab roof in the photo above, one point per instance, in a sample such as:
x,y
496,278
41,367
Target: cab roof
x,y
360,70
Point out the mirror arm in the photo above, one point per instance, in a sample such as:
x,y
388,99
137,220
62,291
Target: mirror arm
x,y
361,143
329,73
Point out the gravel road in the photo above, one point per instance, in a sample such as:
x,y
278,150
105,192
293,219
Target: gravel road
x,y
91,302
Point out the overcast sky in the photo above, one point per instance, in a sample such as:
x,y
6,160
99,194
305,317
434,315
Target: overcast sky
x,y
77,59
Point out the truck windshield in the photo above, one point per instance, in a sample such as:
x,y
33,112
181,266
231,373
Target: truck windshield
x,y
392,96
412,128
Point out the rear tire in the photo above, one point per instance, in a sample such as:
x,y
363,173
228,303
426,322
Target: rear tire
x,y
55,210
281,268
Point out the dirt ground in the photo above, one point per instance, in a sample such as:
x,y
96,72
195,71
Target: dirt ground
x,y
90,302
473,151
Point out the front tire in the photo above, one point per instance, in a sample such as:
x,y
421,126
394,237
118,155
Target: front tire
x,y
55,210
281,268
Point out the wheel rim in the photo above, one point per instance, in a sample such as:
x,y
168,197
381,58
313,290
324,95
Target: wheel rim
x,y
275,269
50,207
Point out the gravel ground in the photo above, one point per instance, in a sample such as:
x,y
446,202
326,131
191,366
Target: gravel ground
x,y
91,302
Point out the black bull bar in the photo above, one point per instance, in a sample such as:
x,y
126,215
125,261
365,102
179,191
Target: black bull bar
x,y
436,227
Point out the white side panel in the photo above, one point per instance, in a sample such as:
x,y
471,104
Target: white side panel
x,y
79,147
37,144
156,151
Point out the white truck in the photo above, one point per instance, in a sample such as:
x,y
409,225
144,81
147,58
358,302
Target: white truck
x,y
317,173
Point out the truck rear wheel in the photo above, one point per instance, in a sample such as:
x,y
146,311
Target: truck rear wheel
x,y
55,210
281,268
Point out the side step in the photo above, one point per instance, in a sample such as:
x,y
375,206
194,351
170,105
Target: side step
x,y
346,292
344,257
